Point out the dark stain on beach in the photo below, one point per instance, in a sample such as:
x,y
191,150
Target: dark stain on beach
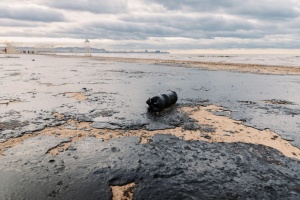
x,y
278,102
166,168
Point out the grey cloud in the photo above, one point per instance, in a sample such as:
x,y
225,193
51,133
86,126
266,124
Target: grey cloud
x,y
239,24
142,27
193,5
16,23
277,10
198,27
30,14
211,45
199,22
239,34
274,9
123,30
95,6
25,33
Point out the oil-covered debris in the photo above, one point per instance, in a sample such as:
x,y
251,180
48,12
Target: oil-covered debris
x,y
162,101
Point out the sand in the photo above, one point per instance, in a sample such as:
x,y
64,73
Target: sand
x,y
123,192
238,67
8,101
223,129
76,95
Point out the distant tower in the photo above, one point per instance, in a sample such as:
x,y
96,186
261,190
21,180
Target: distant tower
x,y
87,47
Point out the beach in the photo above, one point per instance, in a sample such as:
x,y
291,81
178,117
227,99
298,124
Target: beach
x,y
79,127
258,68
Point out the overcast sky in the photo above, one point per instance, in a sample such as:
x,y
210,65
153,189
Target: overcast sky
x,y
154,24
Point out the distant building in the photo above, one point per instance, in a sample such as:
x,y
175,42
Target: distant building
x,y
87,47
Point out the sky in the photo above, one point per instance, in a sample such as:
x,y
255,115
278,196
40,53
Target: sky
x,y
180,26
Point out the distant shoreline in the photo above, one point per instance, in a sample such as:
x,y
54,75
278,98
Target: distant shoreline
x,y
213,66
205,65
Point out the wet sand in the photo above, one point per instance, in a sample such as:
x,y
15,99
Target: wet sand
x,y
236,67
97,134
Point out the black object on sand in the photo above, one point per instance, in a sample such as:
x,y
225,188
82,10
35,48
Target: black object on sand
x,y
162,101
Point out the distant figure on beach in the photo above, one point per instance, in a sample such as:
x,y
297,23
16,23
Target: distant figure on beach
x,y
5,50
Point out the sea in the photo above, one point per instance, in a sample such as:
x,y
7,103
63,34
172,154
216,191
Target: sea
x,y
261,59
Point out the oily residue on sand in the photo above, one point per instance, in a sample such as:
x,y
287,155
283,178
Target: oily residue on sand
x,y
8,101
212,128
76,95
123,192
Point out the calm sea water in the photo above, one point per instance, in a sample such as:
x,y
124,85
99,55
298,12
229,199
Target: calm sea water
x,y
266,59
283,60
